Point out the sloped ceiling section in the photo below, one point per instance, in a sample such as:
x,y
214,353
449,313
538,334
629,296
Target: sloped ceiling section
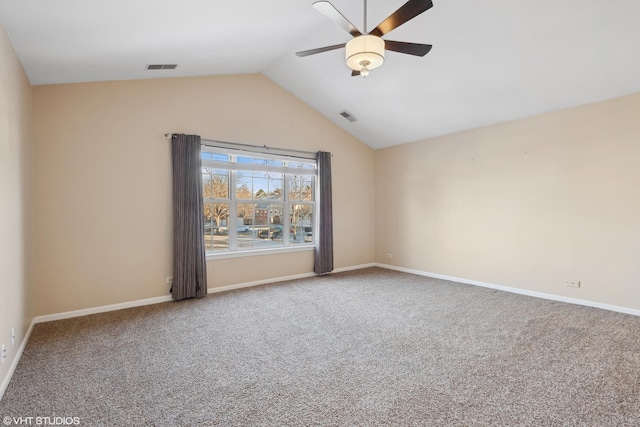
x,y
492,61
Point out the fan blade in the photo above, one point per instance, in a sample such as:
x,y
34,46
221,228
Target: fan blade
x,y
408,11
355,73
332,13
319,50
416,49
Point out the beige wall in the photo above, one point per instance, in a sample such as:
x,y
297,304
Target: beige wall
x,y
15,207
103,185
528,204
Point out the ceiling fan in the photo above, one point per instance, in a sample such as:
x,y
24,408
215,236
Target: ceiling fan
x,y
365,52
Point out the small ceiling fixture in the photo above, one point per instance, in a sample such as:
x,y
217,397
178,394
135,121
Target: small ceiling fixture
x,y
347,115
366,51
161,66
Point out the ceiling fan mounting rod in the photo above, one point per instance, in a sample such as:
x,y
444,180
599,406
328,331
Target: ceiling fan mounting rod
x,y
365,16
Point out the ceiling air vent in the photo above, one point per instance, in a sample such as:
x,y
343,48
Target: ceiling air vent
x,y
347,115
161,66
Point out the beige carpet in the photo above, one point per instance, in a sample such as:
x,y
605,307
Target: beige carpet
x,y
371,347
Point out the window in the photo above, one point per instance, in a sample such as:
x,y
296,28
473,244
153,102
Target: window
x,y
257,201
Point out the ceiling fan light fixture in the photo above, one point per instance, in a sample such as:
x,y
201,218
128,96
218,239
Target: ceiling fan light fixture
x,y
365,53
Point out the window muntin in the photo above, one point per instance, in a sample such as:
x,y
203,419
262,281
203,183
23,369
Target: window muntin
x,y
257,201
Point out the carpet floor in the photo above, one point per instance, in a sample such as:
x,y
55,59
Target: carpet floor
x,y
368,347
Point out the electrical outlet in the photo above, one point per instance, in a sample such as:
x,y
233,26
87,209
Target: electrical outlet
x,y
573,283
4,353
169,280
13,337
389,255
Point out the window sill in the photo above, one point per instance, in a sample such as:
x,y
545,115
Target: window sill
x,y
259,252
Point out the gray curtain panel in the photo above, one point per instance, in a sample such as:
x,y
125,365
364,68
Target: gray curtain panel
x,y
189,261
324,249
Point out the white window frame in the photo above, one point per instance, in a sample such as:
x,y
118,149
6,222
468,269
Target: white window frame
x,y
233,167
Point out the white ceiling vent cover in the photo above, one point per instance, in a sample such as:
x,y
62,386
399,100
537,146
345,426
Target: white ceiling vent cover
x,y
347,115
161,66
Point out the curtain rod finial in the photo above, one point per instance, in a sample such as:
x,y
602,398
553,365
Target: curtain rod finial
x,y
168,135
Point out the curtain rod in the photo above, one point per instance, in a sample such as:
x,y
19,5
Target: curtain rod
x,y
262,149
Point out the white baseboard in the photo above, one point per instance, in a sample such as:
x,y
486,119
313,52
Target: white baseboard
x,y
157,300
282,279
16,360
543,295
354,267
218,289
102,309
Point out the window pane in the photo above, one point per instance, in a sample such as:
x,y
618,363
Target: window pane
x,y
301,224
295,186
259,225
268,185
260,230
216,230
301,187
220,185
275,186
258,161
215,183
220,157
269,227
246,225
259,185
308,190
246,213
207,155
301,165
244,185
207,188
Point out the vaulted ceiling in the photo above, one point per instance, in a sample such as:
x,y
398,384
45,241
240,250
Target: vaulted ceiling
x,y
492,61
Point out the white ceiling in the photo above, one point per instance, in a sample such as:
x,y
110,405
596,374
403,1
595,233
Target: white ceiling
x,y
492,60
